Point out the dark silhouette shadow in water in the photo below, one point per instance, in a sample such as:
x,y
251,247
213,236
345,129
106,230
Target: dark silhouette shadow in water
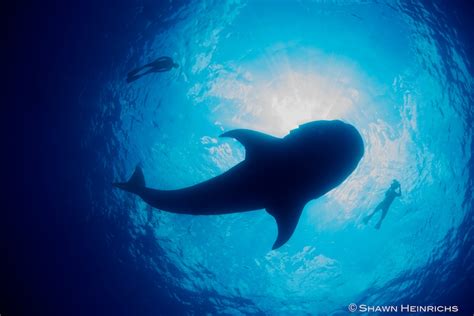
x,y
159,65
390,195
278,174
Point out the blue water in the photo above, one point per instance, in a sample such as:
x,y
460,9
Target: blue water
x,y
398,71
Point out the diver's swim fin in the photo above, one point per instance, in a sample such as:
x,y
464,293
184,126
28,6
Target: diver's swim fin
x,y
287,216
134,184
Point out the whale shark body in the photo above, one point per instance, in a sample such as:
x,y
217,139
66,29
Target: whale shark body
x,y
280,175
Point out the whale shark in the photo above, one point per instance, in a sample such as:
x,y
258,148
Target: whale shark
x,y
280,175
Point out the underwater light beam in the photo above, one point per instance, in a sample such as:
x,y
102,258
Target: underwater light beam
x,y
288,100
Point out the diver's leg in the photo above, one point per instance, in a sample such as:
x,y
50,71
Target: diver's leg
x,y
135,73
384,213
368,217
138,76
132,78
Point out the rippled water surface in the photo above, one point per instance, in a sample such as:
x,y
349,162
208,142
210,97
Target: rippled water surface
x,y
396,71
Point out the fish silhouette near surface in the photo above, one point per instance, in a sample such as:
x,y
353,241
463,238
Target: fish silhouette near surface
x,y
280,175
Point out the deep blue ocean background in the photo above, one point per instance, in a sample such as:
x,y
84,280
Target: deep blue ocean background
x,y
400,71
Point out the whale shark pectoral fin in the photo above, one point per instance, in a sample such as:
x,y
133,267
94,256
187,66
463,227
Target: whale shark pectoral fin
x,y
253,141
286,216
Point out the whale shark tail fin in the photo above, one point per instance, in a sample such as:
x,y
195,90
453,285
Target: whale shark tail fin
x,y
134,184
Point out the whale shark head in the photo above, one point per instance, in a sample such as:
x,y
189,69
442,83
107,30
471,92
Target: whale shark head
x,y
326,150
335,137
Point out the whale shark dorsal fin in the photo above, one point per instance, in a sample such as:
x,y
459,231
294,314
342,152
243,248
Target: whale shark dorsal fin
x,y
286,216
253,141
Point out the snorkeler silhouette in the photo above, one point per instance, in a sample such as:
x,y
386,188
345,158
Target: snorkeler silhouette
x,y
390,195
278,174
160,65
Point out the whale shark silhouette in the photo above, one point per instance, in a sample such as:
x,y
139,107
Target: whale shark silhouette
x,y
280,175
